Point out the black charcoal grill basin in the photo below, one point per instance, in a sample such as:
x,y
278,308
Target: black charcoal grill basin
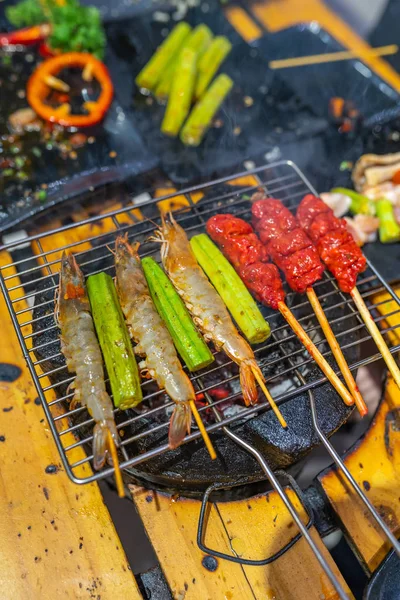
x,y
189,470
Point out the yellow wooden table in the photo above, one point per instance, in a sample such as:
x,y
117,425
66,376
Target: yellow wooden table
x,y
57,539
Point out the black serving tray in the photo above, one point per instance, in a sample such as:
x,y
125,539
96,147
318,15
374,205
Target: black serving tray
x,y
288,117
131,129
276,116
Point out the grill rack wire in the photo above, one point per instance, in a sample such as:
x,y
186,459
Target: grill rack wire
x,y
89,240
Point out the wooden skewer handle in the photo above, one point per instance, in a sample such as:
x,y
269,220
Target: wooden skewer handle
x,y
117,471
376,335
270,399
203,431
316,354
337,351
315,59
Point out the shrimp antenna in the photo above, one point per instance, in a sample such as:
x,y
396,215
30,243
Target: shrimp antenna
x,y
152,222
57,306
110,249
117,471
172,218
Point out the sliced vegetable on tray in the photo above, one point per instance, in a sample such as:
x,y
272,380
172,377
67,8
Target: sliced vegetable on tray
x,y
114,341
45,77
231,288
181,71
154,70
204,111
389,229
198,41
210,62
359,204
188,341
180,97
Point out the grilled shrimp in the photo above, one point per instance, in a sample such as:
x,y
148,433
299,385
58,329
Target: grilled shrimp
x,y
152,337
205,305
82,353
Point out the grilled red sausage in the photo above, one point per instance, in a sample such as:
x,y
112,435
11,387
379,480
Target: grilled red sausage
x,y
248,255
335,245
287,244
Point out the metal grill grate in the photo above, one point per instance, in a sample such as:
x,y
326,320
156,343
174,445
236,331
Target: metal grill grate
x,y
30,282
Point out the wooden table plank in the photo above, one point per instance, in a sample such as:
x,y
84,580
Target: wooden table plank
x,y
57,538
375,464
172,527
254,528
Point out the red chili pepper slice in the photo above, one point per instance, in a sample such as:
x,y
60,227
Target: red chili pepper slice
x,y
38,90
46,52
25,37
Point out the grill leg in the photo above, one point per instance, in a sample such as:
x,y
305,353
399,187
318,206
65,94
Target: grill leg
x,y
281,492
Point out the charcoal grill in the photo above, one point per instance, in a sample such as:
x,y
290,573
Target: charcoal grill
x,y
282,359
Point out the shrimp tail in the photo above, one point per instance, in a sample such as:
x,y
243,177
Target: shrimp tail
x,y
179,424
101,442
248,381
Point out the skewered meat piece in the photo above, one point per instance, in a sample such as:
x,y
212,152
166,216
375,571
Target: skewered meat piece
x,y
335,245
237,240
287,244
248,255
263,280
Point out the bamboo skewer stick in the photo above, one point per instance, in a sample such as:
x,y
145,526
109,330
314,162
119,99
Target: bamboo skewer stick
x,y
203,431
376,335
337,351
316,354
315,59
270,399
117,471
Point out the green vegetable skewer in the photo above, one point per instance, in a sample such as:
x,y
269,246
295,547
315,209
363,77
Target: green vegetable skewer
x,y
203,113
114,341
152,72
360,205
210,62
181,94
389,229
189,343
231,288
197,41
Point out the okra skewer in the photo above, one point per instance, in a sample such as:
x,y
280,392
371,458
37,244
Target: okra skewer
x,y
181,94
210,62
204,111
231,288
114,341
188,341
153,71
198,41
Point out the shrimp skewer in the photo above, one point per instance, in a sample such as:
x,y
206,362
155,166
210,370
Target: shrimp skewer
x,y
83,356
205,305
152,338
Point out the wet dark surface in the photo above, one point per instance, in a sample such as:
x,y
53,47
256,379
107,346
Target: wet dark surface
x,y
385,583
